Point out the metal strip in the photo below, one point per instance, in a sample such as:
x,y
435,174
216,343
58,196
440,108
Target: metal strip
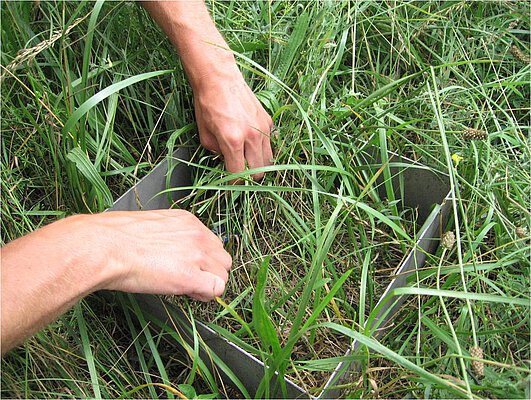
x,y
422,189
145,195
248,369
389,305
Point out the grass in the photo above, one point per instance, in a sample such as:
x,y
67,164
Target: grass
x,y
85,114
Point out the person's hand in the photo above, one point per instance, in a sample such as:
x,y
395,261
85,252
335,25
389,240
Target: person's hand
x,y
162,252
230,118
231,121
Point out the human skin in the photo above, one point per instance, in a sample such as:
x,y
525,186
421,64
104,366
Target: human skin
x,y
162,252
230,119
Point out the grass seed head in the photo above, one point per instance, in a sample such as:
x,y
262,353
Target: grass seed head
x,y
477,366
475,134
519,55
520,232
448,240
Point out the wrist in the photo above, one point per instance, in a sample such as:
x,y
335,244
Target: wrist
x,y
83,245
215,78
205,55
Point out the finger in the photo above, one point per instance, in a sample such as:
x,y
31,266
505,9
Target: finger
x,y
267,150
254,154
206,286
223,259
215,267
234,157
200,298
209,141
205,238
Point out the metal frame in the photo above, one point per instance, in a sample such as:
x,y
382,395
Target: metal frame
x,y
423,189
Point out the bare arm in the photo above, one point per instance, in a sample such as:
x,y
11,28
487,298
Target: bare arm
x,y
163,252
230,118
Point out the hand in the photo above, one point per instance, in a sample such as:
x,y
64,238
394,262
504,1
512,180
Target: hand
x,y
230,118
232,122
163,252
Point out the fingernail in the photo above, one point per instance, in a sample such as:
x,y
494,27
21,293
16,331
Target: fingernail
x,y
219,286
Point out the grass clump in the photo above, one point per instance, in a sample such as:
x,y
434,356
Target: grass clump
x,y
444,83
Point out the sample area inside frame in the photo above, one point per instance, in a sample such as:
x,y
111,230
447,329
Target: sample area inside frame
x,y
421,188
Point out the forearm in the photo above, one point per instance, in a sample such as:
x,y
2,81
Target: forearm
x,y
230,119
201,47
159,252
43,275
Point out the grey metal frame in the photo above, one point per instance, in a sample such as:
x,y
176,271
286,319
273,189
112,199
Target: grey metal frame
x,y
423,189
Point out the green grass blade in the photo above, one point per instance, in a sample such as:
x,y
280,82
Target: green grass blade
x,y
87,169
462,295
94,377
103,94
395,357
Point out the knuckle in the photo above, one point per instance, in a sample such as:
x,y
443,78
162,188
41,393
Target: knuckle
x,y
208,143
234,141
201,236
204,142
254,134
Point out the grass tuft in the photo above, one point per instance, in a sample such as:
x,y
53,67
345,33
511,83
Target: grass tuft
x,y
89,107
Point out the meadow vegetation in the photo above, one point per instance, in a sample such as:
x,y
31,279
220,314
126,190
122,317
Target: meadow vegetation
x,y
93,96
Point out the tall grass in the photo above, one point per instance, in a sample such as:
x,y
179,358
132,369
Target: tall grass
x,y
85,113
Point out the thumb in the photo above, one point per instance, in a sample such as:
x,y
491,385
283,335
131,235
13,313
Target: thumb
x,y
207,287
218,286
